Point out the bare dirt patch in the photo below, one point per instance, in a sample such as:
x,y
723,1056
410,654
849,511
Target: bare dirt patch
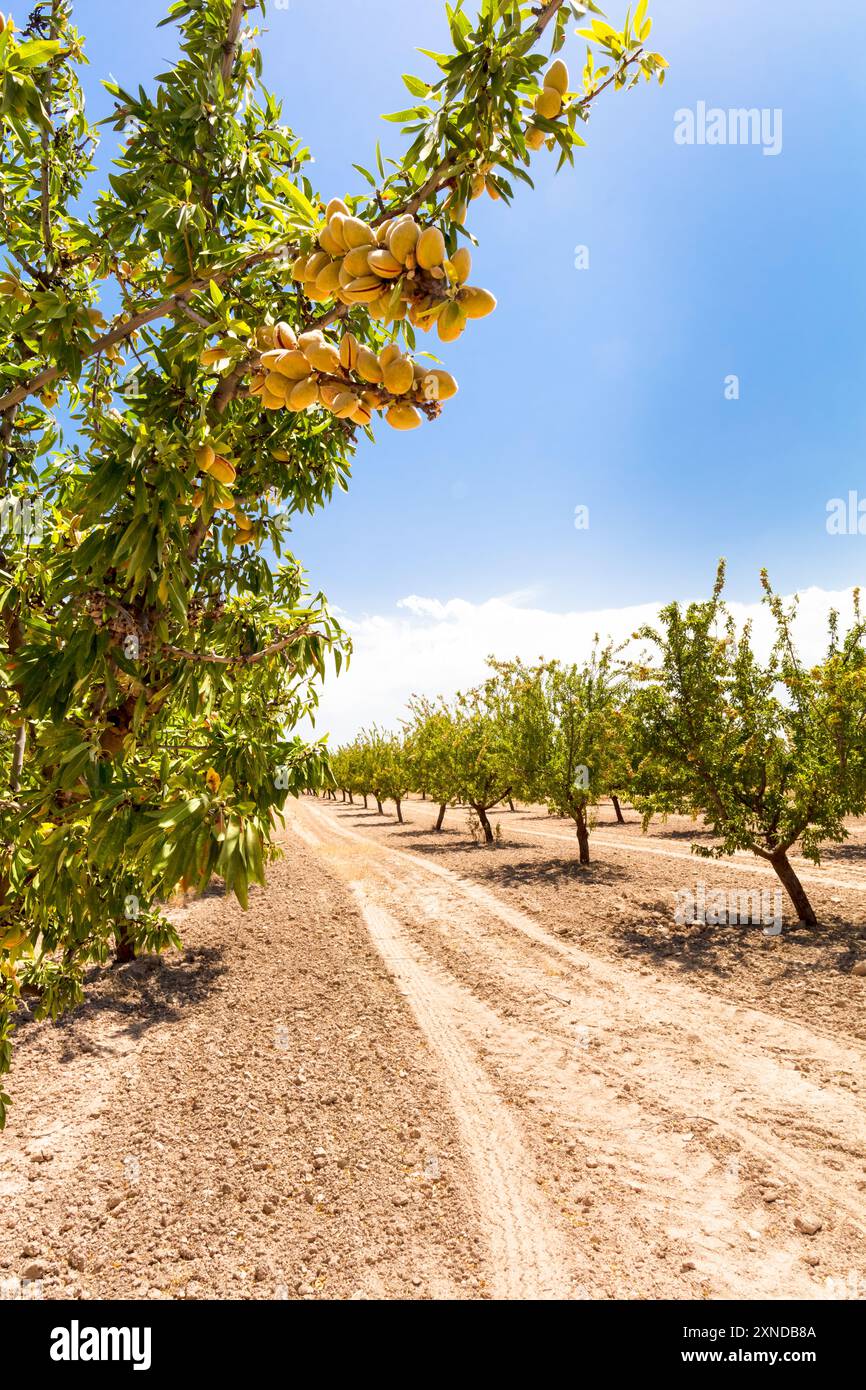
x,y
255,1118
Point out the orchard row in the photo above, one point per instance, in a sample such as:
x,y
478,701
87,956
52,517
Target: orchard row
x,y
688,719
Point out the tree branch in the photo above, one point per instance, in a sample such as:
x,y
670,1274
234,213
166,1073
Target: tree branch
x,y
192,315
231,44
173,303
45,166
213,658
545,15
447,169
170,306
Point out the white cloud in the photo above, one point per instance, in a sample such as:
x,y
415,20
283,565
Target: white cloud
x,y
430,647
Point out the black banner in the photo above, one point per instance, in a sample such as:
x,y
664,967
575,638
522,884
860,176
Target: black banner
x,y
86,1341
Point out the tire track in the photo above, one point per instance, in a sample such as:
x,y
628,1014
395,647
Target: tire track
x,y
528,1260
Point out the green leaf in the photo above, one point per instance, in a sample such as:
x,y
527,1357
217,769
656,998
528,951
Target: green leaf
x,y
300,202
416,86
36,52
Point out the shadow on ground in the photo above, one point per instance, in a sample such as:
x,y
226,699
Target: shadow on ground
x,y
720,949
146,992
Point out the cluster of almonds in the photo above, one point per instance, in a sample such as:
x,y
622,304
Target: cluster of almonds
x,y
398,269
224,472
348,379
549,103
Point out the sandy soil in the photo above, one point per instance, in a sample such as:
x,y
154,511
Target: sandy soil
x,y
420,1067
258,1118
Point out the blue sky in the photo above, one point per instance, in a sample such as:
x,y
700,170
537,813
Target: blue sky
x,y
605,387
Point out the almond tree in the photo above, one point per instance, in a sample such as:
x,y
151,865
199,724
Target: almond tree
x,y
386,769
221,334
770,753
480,767
429,743
567,733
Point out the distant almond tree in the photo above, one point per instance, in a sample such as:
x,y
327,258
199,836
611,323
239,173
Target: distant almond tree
x,y
429,744
567,735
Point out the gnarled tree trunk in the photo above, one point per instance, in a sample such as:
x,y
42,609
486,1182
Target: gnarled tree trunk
x,y
582,836
481,813
124,950
441,816
794,888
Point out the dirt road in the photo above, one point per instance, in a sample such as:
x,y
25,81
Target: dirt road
x,y
404,1074
626,1135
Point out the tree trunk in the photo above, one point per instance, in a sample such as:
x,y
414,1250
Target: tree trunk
x,y
351,799
365,801
616,806
423,796
794,888
124,950
485,824
582,836
510,804
379,804
441,816
399,806
18,758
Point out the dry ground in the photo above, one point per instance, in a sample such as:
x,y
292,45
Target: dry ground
x,y
420,1067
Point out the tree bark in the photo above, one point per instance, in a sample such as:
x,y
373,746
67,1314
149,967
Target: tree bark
x,y
794,888
441,816
18,758
399,806
351,798
510,804
365,801
379,804
616,806
124,950
582,836
481,812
